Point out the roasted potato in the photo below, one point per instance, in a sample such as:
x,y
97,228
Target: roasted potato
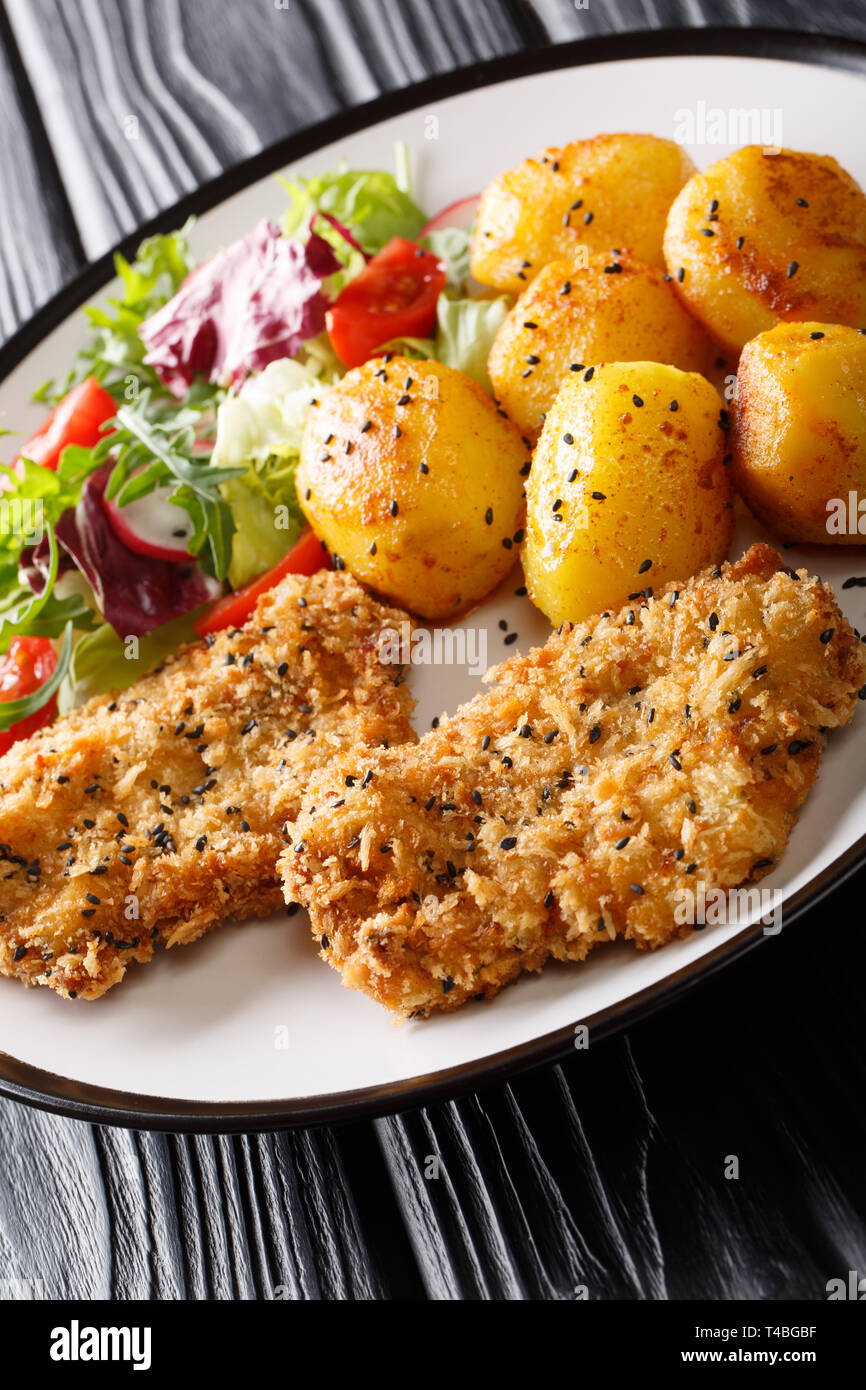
x,y
760,238
628,488
412,476
799,435
614,190
616,309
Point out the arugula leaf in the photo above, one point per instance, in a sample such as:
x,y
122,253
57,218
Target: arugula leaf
x,y
31,499
148,453
32,604
11,711
115,352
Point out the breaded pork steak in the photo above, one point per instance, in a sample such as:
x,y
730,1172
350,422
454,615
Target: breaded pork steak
x,y
627,759
154,814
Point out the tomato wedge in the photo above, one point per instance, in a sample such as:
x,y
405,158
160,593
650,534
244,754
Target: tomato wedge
x,y
25,667
394,296
305,557
74,420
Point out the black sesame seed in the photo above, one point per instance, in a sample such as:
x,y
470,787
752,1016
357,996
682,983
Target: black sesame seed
x,y
621,844
508,842
799,745
827,635
646,565
595,733
793,268
637,401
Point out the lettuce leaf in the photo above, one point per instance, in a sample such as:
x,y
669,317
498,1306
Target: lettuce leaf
x,y
255,301
370,202
465,332
103,661
261,428
451,245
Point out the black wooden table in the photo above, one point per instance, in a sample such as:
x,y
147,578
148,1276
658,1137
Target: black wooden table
x,y
608,1171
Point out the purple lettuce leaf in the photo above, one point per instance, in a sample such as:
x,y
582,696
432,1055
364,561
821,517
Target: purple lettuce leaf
x,y
135,593
257,300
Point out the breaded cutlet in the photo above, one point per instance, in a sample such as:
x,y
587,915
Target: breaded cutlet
x,y
630,757
148,816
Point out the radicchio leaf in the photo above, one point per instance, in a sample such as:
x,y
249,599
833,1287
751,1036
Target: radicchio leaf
x,y
256,301
135,593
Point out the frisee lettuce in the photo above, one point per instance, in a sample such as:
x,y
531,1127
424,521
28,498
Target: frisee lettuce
x,y
372,203
259,431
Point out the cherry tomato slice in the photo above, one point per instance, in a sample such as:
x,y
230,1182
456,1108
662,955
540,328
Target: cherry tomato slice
x,y
26,666
305,557
74,420
394,296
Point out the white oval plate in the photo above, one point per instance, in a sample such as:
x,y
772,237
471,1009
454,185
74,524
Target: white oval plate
x,y
248,1028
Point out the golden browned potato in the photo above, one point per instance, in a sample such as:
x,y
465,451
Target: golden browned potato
x,y
628,488
763,237
411,475
589,196
799,435
616,309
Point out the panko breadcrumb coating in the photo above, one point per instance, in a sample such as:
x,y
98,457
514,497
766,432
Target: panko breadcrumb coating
x,y
630,757
149,816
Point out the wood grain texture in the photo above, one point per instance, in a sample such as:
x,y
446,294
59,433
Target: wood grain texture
x,y
605,1173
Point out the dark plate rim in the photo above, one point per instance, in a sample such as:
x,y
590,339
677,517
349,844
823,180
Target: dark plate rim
x,y
96,1104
